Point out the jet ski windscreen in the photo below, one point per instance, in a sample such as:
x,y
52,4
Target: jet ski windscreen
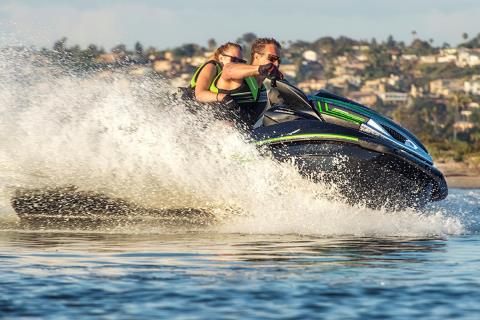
x,y
292,97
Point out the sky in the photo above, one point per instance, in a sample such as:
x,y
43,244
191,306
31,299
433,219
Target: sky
x,y
169,23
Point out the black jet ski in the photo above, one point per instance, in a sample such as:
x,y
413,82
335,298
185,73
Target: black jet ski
x,y
369,158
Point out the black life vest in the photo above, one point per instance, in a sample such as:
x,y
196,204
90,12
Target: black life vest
x,y
250,99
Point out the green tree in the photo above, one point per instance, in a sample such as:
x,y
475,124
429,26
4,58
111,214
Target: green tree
x,y
60,45
421,47
120,49
139,48
151,51
94,51
344,44
391,43
427,118
187,50
212,44
247,39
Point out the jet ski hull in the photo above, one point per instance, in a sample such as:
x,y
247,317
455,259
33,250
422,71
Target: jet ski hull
x,y
363,170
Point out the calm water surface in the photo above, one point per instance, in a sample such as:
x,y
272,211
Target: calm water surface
x,y
201,274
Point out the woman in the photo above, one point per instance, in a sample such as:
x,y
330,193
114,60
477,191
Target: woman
x,y
206,74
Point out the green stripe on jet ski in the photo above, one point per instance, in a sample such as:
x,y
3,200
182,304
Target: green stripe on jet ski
x,y
354,107
308,136
339,113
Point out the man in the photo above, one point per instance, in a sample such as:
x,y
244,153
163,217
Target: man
x,y
241,86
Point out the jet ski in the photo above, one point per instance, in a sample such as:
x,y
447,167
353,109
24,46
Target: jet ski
x,y
366,157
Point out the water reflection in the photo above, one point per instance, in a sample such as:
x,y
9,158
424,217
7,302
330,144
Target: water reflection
x,y
212,252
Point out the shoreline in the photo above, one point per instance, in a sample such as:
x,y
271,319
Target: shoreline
x,y
459,175
463,182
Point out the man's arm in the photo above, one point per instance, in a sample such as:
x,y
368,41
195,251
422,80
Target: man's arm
x,y
239,71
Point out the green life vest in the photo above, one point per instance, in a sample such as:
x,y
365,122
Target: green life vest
x,y
193,82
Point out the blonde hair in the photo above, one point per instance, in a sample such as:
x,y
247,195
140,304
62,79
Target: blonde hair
x,y
224,47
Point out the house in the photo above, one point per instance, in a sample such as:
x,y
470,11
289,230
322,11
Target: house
x,y
394,97
359,66
362,57
312,85
472,86
463,126
430,59
448,58
168,55
374,86
209,54
380,85
198,60
445,87
409,57
349,68
416,91
365,98
353,80
466,114
394,54
108,58
290,70
310,55
340,81
448,51
474,105
361,48
340,60
468,58
162,66
393,80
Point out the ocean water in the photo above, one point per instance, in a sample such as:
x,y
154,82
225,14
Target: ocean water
x,y
281,246
181,273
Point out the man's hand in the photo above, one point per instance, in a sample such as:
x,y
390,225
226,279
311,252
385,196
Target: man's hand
x,y
266,69
270,71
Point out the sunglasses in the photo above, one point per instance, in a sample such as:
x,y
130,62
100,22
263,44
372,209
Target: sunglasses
x,y
235,59
272,58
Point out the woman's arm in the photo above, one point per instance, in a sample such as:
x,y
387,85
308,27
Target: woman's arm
x,y
202,89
